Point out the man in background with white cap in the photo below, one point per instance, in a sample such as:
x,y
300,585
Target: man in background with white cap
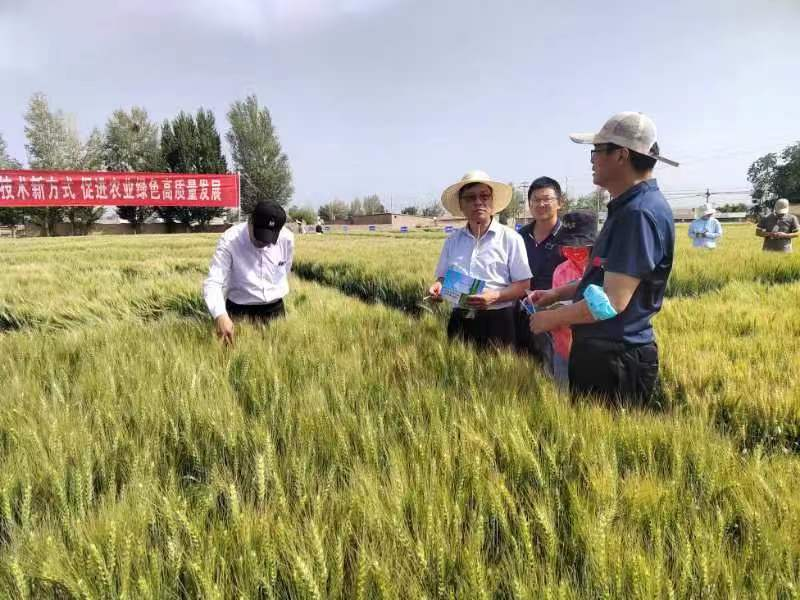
x,y
249,271
779,228
486,251
706,230
614,353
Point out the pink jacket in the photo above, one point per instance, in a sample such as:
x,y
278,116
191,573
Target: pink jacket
x,y
565,273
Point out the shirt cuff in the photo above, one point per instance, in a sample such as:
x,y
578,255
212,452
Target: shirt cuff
x,y
216,308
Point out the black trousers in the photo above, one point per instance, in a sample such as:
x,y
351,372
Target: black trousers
x,y
539,346
489,328
621,374
256,312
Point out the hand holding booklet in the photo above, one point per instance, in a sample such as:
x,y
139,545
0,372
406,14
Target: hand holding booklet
x,y
456,287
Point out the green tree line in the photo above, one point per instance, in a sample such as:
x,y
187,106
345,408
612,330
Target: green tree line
x,y
131,142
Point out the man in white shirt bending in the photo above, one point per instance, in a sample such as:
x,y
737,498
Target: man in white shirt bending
x,y
249,271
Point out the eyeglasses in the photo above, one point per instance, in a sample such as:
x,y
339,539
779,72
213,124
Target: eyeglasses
x,y
472,198
542,201
605,148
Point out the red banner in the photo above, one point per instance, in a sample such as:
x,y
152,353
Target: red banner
x,y
99,188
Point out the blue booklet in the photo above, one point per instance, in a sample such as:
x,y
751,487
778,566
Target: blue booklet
x,y
457,286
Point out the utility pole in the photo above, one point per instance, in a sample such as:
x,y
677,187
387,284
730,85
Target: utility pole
x,y
708,196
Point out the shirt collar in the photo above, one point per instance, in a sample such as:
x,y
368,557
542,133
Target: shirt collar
x,y
494,227
553,232
624,197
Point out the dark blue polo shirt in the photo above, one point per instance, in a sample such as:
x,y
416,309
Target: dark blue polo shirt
x,y
638,239
543,257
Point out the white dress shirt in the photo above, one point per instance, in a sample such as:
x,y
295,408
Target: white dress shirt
x,y
245,274
498,257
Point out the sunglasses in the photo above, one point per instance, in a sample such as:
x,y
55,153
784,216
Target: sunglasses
x,y
605,148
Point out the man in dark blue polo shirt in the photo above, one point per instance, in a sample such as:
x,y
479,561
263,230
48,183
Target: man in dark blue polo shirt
x,y
541,235
614,353
541,239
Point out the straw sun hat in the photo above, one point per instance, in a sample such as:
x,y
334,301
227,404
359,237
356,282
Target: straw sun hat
x,y
501,192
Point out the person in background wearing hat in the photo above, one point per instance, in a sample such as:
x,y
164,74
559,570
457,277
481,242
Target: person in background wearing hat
x,y
614,353
542,247
779,228
485,250
578,234
706,230
249,271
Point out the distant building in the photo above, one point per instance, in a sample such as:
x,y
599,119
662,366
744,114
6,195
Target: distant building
x,y
386,221
450,220
683,215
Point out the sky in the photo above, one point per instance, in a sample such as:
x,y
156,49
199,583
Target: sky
x,y
402,97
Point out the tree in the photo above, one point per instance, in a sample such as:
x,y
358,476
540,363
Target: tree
x,y
515,208
776,176
190,145
306,214
83,217
6,162
356,208
733,208
435,209
209,160
178,141
336,209
592,202
132,144
761,176
787,174
584,202
9,216
372,205
409,210
53,143
169,214
257,154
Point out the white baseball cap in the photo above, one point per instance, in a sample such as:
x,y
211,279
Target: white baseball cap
x,y
632,130
782,207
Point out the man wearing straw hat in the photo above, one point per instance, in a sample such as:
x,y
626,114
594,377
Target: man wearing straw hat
x,y
779,228
614,354
488,252
706,230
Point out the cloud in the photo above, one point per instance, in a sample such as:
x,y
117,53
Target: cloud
x,y
268,19
32,30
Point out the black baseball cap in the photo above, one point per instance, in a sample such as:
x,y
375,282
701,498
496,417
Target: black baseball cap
x,y
578,228
268,218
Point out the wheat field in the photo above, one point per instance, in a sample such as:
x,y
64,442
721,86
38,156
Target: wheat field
x,y
350,451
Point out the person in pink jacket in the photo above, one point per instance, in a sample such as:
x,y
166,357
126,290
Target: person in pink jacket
x,y
578,233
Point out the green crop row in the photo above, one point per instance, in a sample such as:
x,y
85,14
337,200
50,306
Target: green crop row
x,y
350,451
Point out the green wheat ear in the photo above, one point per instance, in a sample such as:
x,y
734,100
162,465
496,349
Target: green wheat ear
x,y
351,449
